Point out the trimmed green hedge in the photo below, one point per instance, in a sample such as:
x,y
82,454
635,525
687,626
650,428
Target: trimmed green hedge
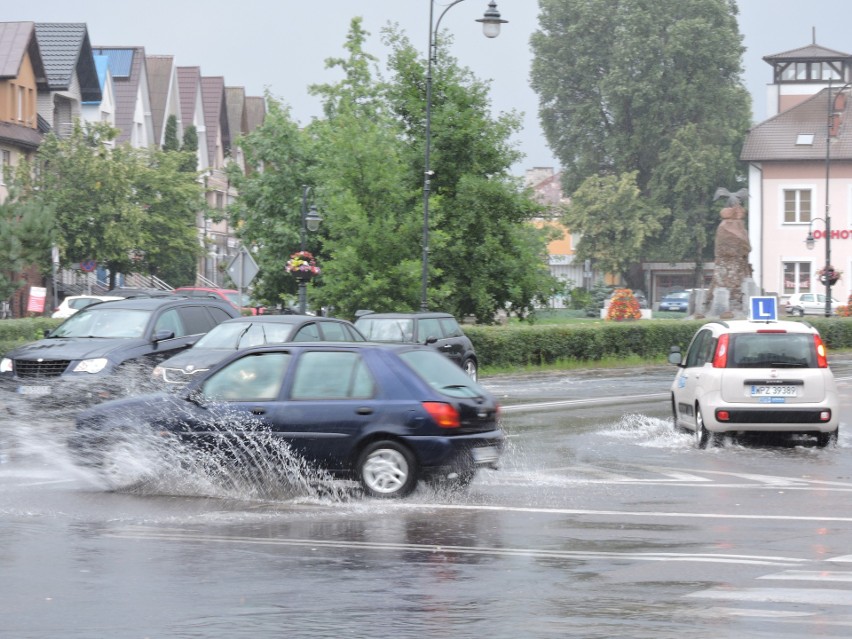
x,y
20,331
536,345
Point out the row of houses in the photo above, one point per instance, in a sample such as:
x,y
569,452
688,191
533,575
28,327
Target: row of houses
x,y
52,75
799,163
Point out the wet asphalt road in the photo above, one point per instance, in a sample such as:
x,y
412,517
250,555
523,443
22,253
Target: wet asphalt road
x,y
603,522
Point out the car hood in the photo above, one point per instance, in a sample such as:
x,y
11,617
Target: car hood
x,y
73,348
198,358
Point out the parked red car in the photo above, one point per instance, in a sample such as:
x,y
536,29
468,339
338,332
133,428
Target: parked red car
x,y
230,295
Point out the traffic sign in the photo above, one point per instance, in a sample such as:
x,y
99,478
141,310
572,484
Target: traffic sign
x,y
242,268
763,309
87,266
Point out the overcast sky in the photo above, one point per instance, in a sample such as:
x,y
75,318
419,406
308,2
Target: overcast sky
x,y
283,44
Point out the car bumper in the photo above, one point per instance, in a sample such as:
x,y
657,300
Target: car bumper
x,y
792,418
459,452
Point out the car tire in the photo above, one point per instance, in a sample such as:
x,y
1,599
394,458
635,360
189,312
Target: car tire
x,y
387,470
827,439
702,435
798,312
470,368
674,414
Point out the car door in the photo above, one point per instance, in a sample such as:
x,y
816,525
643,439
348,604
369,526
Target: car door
x,y
687,386
329,400
430,327
808,303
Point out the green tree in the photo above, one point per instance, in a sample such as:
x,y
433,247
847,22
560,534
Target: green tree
x,y
615,219
170,138
651,88
190,149
26,236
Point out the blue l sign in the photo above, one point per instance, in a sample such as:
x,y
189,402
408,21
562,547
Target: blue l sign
x,y
764,309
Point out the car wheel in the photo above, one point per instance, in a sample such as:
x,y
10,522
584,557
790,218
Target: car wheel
x,y
702,436
469,367
387,469
674,413
827,439
798,312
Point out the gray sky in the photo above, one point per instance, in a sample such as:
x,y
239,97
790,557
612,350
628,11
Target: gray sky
x,y
283,44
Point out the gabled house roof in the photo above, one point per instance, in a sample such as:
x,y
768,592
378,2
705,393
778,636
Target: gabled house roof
x,y
800,133
65,48
255,112
160,72
16,40
188,79
215,114
126,69
806,53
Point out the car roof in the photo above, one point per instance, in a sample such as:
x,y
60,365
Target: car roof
x,y
153,303
205,288
283,319
405,315
748,326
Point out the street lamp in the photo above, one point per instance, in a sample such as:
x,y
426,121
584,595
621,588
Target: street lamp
x,y
310,222
491,29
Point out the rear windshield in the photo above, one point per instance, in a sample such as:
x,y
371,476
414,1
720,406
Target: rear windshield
x,y
772,350
441,374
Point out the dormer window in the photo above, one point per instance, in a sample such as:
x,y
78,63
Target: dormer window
x,y
805,139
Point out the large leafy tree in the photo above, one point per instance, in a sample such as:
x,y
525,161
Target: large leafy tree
x,y
651,87
26,236
112,204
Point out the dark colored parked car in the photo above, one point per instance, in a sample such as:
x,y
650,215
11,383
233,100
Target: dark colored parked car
x,y
387,415
439,330
84,359
246,332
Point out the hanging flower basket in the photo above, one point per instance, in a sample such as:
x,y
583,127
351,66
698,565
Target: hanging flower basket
x,y
829,275
303,266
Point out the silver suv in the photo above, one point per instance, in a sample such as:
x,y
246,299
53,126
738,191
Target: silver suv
x,y
745,376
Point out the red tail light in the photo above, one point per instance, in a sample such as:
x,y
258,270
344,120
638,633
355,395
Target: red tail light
x,y
723,416
822,355
720,359
445,415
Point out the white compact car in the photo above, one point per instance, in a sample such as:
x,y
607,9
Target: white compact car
x,y
74,303
809,304
743,376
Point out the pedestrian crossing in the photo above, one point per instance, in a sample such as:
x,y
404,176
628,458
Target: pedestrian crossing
x,y
794,599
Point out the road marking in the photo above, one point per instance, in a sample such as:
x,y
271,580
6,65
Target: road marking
x,y
315,544
821,596
812,575
591,401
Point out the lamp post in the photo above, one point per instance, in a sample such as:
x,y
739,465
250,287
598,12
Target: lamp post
x,y
809,242
310,222
491,29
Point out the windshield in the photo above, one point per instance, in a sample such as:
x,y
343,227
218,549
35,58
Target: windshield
x,y
677,296
234,298
386,329
441,374
245,335
104,322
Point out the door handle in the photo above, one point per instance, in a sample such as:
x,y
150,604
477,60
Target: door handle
x,y
364,410
258,411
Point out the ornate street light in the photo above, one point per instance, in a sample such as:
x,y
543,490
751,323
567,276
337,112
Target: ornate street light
x,y
491,29
310,222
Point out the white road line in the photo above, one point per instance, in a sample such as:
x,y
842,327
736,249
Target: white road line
x,y
314,544
842,559
819,596
591,401
812,575
624,513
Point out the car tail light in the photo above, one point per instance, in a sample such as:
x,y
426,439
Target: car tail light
x,y
822,356
825,416
720,359
723,416
445,415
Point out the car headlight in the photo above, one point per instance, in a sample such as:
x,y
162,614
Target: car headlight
x,y
6,365
91,365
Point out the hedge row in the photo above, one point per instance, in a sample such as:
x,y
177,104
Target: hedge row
x,y
20,331
521,345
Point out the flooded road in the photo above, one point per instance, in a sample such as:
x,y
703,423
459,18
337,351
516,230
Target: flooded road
x,y
602,522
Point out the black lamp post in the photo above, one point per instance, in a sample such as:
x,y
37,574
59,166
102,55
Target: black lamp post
x,y
491,29
310,222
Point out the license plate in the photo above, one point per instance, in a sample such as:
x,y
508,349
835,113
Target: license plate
x,y
773,391
34,390
485,454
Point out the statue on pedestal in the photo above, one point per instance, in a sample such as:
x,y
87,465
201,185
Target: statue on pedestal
x,y
731,257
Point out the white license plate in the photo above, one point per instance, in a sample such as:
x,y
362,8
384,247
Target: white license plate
x,y
34,390
485,454
773,391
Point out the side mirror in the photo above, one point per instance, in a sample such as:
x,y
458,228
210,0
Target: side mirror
x,y
47,332
675,356
162,335
431,340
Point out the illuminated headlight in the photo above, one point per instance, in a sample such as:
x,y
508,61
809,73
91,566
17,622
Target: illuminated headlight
x,y
91,365
6,365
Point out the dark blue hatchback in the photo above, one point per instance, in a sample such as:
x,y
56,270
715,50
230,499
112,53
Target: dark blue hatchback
x,y
387,415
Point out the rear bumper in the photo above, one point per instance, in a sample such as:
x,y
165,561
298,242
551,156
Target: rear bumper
x,y
458,452
789,419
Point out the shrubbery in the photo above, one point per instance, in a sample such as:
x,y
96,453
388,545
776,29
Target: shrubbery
x,y
20,331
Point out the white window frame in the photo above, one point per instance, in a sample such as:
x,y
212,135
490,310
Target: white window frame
x,y
798,211
797,279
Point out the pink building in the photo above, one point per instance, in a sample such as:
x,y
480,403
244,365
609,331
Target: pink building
x,y
800,173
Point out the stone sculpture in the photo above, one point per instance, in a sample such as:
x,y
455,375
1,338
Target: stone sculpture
x,y
731,257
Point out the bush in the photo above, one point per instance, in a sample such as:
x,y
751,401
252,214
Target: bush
x,y
20,331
